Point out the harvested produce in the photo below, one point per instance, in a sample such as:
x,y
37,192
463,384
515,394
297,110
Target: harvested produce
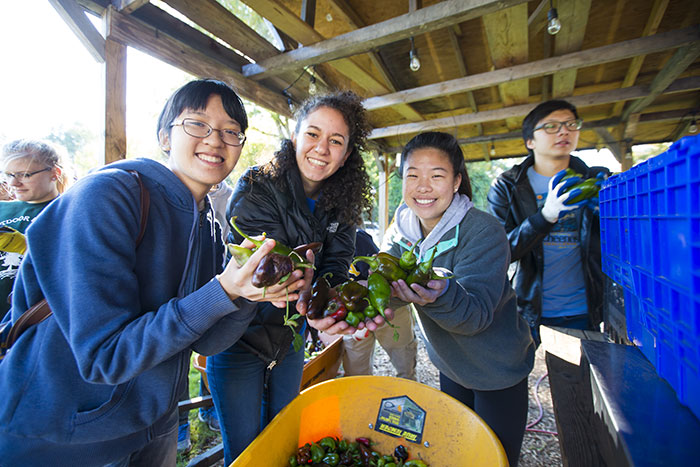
x,y
275,268
341,452
589,187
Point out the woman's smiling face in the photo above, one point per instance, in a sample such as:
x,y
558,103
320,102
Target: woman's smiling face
x,y
322,147
202,162
429,184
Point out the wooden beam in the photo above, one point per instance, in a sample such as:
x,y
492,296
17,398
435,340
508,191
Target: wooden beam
x,y
506,31
630,126
74,16
538,18
293,26
308,12
343,11
186,34
657,12
574,19
462,67
587,100
611,143
613,28
115,101
215,18
673,68
97,8
134,33
584,58
128,6
437,16
593,125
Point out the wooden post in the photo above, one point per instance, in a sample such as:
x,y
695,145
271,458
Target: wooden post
x,y
115,101
383,192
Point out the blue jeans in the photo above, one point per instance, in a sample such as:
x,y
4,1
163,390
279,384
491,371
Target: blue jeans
x,y
504,410
243,404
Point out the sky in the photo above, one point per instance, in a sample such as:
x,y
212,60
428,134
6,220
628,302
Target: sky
x,y
50,81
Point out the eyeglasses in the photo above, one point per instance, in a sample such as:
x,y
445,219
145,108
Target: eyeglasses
x,y
554,127
20,176
202,130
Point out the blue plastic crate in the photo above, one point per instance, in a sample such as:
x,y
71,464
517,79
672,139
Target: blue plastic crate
x,y
650,239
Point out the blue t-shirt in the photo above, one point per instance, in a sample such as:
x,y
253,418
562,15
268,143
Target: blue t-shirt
x,y
311,203
563,287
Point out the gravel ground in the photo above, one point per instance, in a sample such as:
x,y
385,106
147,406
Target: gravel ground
x,y
539,449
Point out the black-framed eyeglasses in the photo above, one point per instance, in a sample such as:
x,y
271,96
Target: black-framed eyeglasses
x,y
554,127
20,176
201,130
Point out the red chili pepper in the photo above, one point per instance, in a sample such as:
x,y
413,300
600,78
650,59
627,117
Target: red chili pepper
x,y
364,441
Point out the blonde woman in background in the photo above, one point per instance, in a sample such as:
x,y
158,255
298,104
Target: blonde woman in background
x,y
31,172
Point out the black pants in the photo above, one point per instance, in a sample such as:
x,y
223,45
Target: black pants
x,y
505,411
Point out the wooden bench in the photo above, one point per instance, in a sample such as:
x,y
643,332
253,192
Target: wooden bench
x,y
612,408
571,396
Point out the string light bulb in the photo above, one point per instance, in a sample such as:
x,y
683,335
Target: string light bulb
x,y
492,151
693,128
414,61
313,89
553,23
289,100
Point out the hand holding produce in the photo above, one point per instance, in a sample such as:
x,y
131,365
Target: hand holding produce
x,y
555,204
277,265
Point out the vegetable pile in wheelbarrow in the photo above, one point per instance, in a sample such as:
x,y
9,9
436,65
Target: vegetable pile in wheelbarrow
x,y
336,452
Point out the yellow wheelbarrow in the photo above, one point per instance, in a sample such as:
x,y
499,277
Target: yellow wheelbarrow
x,y
433,426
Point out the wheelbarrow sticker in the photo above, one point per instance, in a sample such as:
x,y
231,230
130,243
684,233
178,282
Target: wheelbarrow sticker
x,y
400,417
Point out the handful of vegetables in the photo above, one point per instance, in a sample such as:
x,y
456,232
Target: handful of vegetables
x,y
589,187
339,452
275,268
355,303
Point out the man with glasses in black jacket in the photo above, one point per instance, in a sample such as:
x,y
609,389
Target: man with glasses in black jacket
x,y
558,280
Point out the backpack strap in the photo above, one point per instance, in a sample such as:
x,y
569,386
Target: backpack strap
x,y
145,205
41,310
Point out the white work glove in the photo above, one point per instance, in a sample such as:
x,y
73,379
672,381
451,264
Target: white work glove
x,y
554,205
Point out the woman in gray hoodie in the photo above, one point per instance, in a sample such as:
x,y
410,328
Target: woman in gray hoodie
x,y
472,330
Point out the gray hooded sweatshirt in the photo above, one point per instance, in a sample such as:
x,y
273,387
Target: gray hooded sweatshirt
x,y
473,333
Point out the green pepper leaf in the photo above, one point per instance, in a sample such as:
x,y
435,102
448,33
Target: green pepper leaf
x,y
298,342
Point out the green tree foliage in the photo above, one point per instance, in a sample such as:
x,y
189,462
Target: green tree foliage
x,y
482,174
83,149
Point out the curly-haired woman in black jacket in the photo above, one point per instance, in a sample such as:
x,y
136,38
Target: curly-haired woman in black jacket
x,y
314,190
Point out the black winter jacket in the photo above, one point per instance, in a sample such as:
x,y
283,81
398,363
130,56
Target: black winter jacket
x,y
512,201
283,214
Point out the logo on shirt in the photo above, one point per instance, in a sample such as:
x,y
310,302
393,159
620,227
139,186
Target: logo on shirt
x,y
333,227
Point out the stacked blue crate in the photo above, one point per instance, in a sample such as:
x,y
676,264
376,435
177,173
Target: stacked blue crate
x,y
650,237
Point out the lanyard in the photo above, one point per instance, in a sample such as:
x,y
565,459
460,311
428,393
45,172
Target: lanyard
x,y
440,248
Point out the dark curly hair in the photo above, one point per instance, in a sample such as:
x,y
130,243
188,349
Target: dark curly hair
x,y
348,183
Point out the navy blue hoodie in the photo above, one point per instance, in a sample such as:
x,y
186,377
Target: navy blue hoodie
x,y
111,359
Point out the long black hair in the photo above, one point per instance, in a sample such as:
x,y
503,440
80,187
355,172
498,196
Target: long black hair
x,y
447,144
